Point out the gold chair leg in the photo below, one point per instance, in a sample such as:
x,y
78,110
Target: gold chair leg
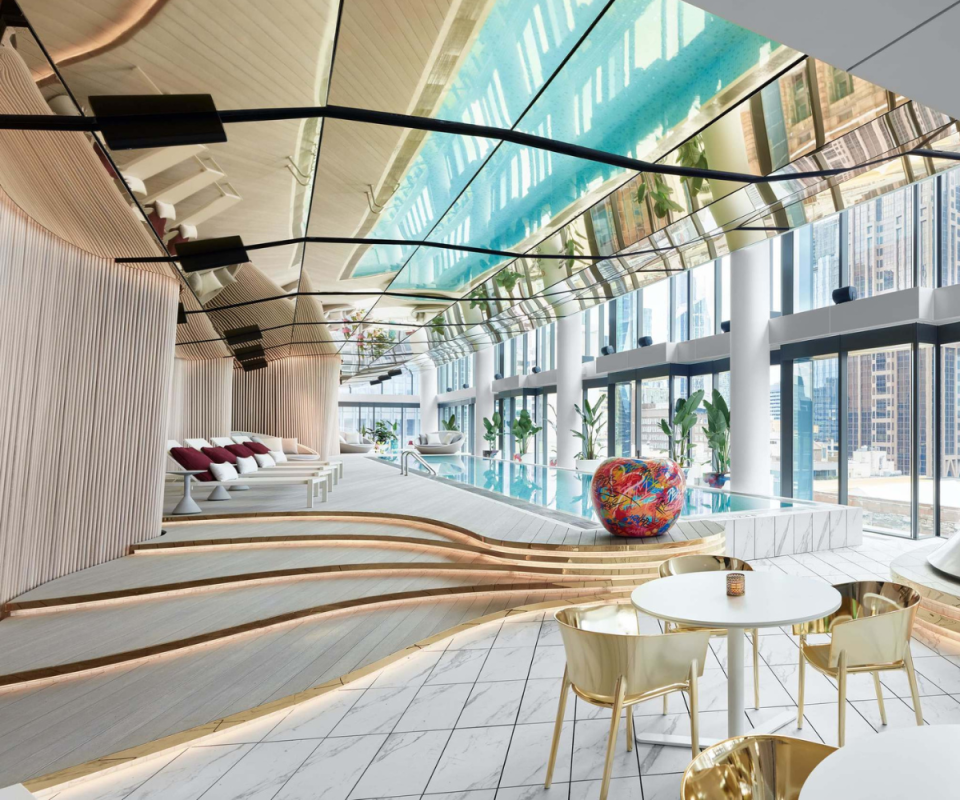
x,y
694,710
876,685
621,690
630,736
914,689
665,699
756,668
561,708
800,684
842,684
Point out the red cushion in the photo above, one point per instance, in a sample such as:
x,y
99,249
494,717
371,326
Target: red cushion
x,y
188,458
219,455
240,450
258,448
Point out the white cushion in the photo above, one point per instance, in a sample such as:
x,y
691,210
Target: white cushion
x,y
221,441
224,472
246,465
434,438
290,446
171,444
270,442
240,439
264,460
351,437
197,444
280,458
448,436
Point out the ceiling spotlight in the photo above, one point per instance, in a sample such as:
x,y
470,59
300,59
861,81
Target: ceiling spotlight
x,y
608,350
394,372
644,341
248,333
203,254
249,353
252,366
845,294
725,326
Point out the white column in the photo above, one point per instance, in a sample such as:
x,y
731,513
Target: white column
x,y
429,408
483,380
569,389
750,369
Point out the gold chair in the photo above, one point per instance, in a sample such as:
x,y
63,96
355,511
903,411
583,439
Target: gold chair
x,y
870,632
682,565
752,768
610,664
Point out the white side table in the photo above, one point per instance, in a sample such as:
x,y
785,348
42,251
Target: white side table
x,y
770,600
896,764
187,505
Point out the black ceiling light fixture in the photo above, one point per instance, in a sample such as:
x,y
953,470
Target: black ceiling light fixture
x,y
394,372
536,370
498,376
254,365
203,254
181,314
644,341
248,333
725,326
249,353
608,350
134,121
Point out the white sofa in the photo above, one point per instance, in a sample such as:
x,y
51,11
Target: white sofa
x,y
353,442
440,443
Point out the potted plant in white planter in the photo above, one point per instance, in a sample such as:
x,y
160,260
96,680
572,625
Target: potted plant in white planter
x,y
494,429
678,431
593,427
718,438
523,431
384,434
450,424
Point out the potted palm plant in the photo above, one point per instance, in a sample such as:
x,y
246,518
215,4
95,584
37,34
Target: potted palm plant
x,y
678,431
450,424
523,431
593,427
718,439
384,434
493,431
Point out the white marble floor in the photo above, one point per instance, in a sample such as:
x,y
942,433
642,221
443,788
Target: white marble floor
x,y
472,717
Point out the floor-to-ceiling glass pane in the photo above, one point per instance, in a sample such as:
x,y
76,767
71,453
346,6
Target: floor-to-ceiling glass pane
x,y
816,264
881,244
654,406
703,457
349,419
816,429
623,420
626,322
927,232
551,428
950,227
656,311
681,312
411,425
702,301
927,396
593,397
724,290
950,439
879,437
775,430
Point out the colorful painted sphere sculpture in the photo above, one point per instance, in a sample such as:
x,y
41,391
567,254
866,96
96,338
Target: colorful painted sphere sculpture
x,y
638,497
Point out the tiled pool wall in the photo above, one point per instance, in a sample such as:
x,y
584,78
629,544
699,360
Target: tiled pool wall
x,y
804,529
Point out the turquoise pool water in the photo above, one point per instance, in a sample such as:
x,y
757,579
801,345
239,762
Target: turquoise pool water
x,y
567,490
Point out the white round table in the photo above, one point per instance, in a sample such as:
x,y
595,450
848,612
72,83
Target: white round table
x,y
896,764
770,599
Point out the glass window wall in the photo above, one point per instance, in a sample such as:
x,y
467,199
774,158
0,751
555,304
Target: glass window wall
x,y
816,430
654,406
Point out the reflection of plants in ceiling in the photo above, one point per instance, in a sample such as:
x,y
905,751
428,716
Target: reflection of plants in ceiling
x,y
573,247
477,297
659,196
375,342
352,323
436,325
507,279
692,154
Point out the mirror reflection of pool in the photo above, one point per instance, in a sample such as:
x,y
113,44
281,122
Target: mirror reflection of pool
x,y
566,490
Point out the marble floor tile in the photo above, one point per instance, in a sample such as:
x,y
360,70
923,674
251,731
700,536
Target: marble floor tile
x,y
378,711
492,704
661,787
518,634
899,714
314,719
557,791
548,662
541,698
938,710
656,759
191,774
472,759
620,789
940,671
435,708
526,763
410,671
120,784
590,739
333,769
765,714
251,732
713,689
476,794
818,689
861,687
507,664
824,719
458,666
550,634
778,649
480,637
262,772
403,765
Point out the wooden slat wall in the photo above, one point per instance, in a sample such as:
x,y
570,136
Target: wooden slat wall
x,y
292,397
200,400
86,359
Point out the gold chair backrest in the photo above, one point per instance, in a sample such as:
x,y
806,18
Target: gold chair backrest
x,y
603,643
879,639
862,599
754,767
682,565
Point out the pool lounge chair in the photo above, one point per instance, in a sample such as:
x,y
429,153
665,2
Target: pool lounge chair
x,y
296,453
353,442
440,443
